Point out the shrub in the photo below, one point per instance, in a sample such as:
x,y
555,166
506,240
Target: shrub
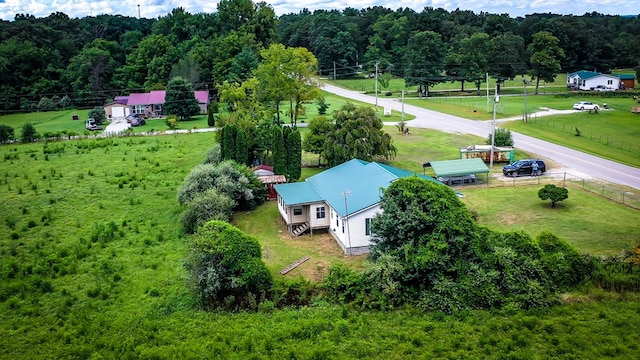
x,y
214,155
322,106
172,122
553,193
98,114
502,137
65,102
46,104
204,207
226,267
429,250
29,133
229,178
7,134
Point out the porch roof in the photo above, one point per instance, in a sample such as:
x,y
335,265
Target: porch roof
x,y
297,193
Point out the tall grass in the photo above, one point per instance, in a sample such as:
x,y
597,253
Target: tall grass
x,y
91,266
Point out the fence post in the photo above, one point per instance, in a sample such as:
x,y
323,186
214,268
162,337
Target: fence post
x,y
564,179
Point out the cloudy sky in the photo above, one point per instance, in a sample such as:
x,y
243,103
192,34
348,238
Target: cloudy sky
x,y
155,8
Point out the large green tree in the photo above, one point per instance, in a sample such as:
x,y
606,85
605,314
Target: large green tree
x,y
180,99
423,60
507,57
287,74
357,134
546,55
315,138
93,68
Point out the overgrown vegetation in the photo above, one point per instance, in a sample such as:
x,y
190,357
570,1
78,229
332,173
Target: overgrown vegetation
x,y
93,266
212,191
226,268
430,252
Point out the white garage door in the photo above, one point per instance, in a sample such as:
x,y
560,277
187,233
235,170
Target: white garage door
x,y
117,112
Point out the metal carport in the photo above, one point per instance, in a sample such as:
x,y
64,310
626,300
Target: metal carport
x,y
459,167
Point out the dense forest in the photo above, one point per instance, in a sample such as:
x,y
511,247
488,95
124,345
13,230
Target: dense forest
x,y
95,58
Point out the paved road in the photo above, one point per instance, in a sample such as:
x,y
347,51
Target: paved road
x,y
573,160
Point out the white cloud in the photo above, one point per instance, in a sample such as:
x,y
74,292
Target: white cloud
x,y
155,8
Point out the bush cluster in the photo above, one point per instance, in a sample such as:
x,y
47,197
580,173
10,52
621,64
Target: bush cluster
x,y
226,267
429,251
213,190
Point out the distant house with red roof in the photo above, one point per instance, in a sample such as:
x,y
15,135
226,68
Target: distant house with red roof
x,y
150,104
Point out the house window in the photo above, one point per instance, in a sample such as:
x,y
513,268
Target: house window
x,y
367,226
343,226
320,214
138,109
297,211
609,82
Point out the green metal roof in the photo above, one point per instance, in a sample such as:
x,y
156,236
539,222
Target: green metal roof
x,y
626,76
358,181
584,74
459,167
297,193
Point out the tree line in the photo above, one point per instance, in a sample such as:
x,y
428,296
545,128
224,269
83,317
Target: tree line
x,y
95,58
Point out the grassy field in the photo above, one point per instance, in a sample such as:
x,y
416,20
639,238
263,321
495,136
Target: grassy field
x,y
53,121
585,220
396,86
92,267
56,121
612,134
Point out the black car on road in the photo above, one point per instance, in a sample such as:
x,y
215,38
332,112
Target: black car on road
x,y
524,167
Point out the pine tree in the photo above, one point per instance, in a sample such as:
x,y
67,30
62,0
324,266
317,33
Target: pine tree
x,y
211,121
229,142
180,99
294,155
279,152
242,148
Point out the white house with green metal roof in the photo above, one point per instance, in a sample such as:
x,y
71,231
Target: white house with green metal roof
x,y
589,80
342,199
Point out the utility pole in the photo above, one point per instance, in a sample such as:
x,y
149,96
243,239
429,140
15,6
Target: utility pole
x,y
403,104
334,71
487,81
138,11
346,194
376,85
526,111
493,126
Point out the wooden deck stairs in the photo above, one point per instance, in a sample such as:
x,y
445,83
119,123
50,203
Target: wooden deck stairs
x,y
299,229
294,265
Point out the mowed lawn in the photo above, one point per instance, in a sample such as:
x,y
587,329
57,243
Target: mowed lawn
x,y
589,222
47,121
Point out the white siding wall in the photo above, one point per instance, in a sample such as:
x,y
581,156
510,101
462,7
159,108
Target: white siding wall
x,y
314,222
609,81
358,241
303,217
282,209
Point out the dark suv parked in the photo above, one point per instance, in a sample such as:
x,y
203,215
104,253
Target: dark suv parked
x,y
524,167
